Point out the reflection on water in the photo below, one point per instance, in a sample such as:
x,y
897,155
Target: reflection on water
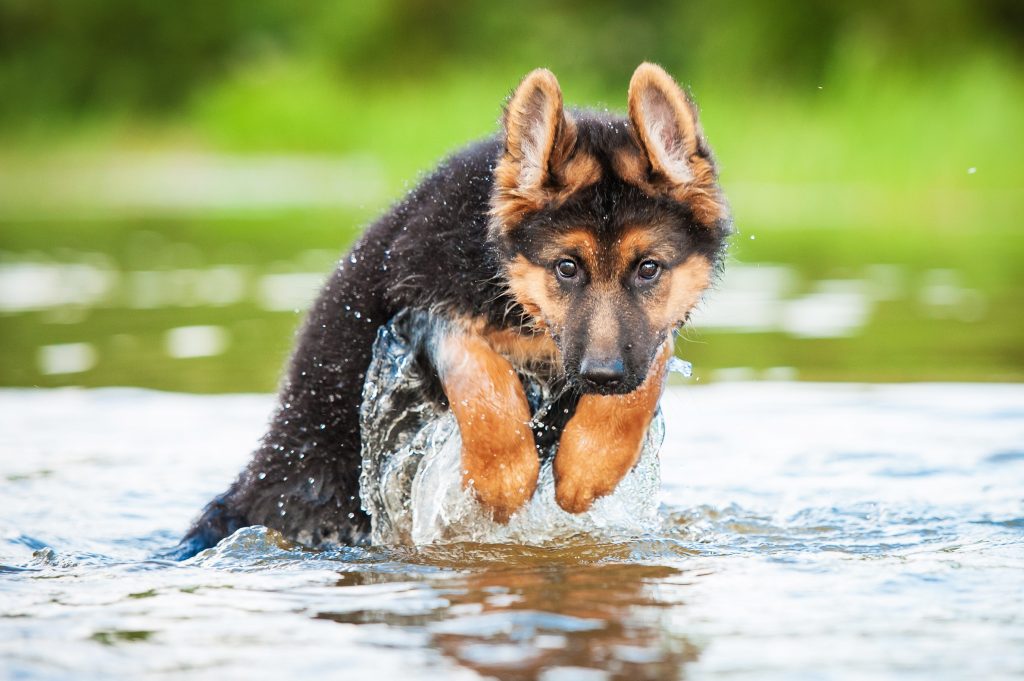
x,y
196,341
806,531
39,286
66,358
33,286
539,616
91,318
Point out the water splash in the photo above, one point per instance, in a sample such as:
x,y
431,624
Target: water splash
x,y
411,479
680,366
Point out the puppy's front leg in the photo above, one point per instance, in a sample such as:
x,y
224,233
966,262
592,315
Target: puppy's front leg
x,y
602,441
499,458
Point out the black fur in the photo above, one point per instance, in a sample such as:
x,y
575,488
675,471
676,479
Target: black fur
x,y
430,252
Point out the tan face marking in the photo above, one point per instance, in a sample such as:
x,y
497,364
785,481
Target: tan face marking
x,y
645,241
685,285
674,294
534,287
579,244
531,287
603,326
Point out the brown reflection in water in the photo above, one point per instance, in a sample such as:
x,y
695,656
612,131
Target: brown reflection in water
x,y
516,621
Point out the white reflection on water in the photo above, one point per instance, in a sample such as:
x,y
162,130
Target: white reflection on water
x,y
215,286
289,291
66,358
764,298
196,341
834,310
809,531
945,297
38,286
749,298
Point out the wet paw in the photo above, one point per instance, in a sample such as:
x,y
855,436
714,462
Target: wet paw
x,y
576,495
501,481
586,471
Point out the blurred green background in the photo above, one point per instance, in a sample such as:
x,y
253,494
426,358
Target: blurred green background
x,y
176,179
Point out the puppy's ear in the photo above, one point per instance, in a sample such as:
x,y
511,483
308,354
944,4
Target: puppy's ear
x,y
539,135
665,121
673,159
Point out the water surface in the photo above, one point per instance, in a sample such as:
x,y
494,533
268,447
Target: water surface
x,y
806,531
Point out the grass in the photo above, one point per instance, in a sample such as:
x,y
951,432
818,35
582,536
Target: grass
x,y
883,131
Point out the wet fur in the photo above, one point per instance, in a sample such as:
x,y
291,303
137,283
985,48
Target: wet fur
x,y
464,244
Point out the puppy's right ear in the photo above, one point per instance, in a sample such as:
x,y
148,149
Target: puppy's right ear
x,y
539,137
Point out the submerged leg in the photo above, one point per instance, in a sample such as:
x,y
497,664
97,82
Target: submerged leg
x,y
499,458
602,441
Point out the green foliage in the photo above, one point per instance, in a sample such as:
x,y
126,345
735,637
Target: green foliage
x,y
66,56
73,55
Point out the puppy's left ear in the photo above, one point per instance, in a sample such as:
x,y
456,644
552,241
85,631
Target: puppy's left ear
x,y
540,165
539,135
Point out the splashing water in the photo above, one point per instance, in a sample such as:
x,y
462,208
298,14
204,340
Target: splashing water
x,y
411,481
680,366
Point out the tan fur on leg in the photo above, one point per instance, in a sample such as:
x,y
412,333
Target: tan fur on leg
x,y
602,441
499,458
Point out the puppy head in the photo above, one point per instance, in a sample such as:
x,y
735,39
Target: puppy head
x,y
610,228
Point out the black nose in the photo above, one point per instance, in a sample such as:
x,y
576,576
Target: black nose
x,y
602,371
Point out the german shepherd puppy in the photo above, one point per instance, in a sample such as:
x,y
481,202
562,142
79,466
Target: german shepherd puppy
x,y
574,243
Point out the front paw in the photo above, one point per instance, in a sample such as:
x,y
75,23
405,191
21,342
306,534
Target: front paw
x,y
577,490
501,481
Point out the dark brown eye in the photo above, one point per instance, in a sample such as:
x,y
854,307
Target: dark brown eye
x,y
566,269
648,270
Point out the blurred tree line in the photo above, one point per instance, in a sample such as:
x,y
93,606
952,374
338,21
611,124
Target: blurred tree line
x,y
146,56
